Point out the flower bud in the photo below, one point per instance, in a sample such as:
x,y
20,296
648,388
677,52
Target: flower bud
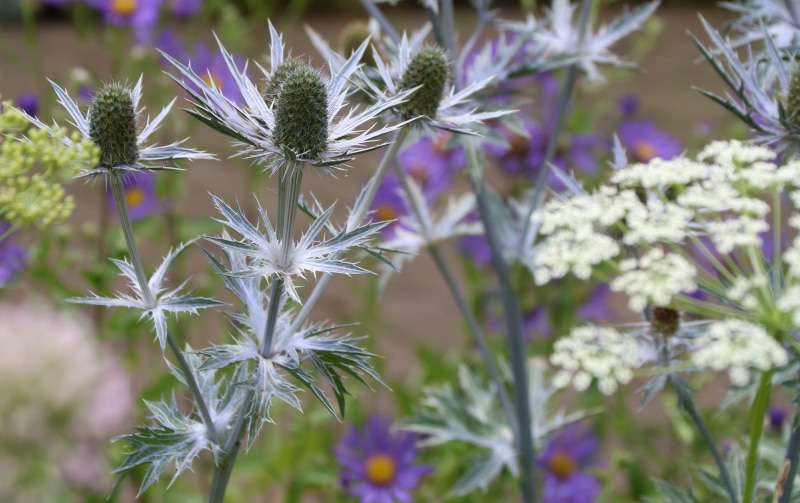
x,y
353,36
301,113
665,320
793,98
428,69
112,126
272,84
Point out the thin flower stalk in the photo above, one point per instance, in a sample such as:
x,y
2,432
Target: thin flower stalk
x,y
686,402
792,456
758,410
115,180
224,469
516,345
357,215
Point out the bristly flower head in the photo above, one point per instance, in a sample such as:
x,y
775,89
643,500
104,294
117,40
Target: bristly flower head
x,y
112,124
377,463
268,130
427,75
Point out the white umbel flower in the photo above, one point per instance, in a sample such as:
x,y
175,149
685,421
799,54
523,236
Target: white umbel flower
x,y
591,352
654,278
736,346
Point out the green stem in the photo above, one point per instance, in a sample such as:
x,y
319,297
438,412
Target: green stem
x,y
355,219
687,403
222,473
792,455
115,180
758,410
515,342
477,336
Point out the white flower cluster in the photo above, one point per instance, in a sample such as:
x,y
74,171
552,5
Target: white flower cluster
x,y
659,172
595,352
737,345
658,221
655,277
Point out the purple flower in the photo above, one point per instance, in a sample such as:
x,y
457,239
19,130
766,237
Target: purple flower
x,y
141,15
28,103
205,63
776,416
388,205
597,307
185,8
563,462
430,165
140,194
628,105
12,255
644,141
377,463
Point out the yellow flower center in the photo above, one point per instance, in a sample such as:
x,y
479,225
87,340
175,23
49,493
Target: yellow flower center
x,y
123,7
212,78
381,469
385,213
562,465
135,196
644,151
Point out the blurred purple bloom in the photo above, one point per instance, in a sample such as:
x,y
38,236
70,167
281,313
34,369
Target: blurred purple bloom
x,y
644,141
185,8
141,15
85,94
12,255
205,63
536,323
377,463
430,164
140,194
628,105
28,103
597,306
563,462
388,205
776,417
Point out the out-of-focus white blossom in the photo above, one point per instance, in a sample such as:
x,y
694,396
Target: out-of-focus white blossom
x,y
654,278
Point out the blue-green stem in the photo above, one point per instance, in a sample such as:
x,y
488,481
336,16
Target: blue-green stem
x,y
449,28
477,336
792,457
222,473
355,219
561,114
686,402
115,180
376,13
290,177
758,410
513,322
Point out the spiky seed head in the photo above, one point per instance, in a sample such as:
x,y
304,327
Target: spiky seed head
x,y
272,84
428,69
301,113
112,126
353,36
793,98
665,320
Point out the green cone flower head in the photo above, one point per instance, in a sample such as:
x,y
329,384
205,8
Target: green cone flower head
x,y
793,98
112,126
301,113
353,36
272,84
428,69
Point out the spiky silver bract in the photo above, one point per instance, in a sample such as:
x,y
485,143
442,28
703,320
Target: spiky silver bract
x,y
145,154
253,124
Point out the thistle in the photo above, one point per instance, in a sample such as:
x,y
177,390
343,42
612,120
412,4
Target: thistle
x,y
793,98
353,36
301,116
112,126
428,70
273,82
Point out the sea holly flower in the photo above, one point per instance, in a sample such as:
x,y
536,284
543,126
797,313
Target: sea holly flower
x,y
111,123
265,136
558,42
760,19
564,461
140,195
378,463
152,299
